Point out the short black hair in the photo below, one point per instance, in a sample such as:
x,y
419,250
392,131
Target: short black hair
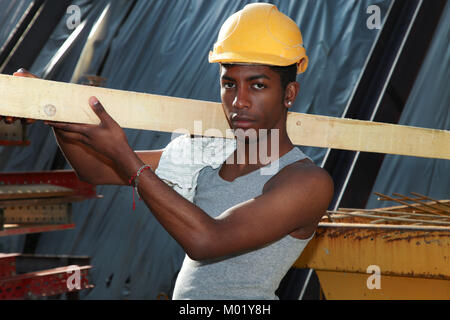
x,y
287,74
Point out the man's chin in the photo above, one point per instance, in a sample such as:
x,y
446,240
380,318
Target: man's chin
x,y
246,135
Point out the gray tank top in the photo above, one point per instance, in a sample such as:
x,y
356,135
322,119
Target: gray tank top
x,y
254,275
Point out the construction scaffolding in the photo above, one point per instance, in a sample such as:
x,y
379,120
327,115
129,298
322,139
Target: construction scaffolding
x,y
34,202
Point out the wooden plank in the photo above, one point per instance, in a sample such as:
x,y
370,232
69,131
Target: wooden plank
x,y
57,101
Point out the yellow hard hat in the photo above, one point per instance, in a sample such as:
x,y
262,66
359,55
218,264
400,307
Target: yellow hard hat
x,y
260,34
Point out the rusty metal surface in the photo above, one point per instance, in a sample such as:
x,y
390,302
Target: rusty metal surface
x,y
414,253
353,286
410,240
392,218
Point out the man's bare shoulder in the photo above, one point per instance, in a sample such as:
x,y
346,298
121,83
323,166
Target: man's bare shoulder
x,y
306,190
300,173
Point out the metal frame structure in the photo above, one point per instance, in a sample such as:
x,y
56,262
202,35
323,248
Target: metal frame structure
x,y
19,278
32,203
36,202
408,244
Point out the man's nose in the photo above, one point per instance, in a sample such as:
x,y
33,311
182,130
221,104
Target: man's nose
x,y
241,100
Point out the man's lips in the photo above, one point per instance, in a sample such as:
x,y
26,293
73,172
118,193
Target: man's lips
x,y
240,118
242,121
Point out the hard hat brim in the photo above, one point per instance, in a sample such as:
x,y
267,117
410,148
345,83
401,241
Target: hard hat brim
x,y
258,59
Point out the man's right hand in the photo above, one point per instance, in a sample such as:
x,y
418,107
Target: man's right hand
x,y
20,73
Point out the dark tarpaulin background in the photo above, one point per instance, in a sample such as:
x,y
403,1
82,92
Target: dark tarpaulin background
x,y
162,47
10,14
428,106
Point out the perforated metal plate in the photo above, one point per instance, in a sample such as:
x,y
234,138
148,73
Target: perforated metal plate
x,y
44,213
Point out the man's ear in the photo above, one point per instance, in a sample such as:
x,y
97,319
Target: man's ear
x,y
291,93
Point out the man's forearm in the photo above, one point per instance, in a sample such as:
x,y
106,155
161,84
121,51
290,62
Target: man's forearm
x,y
186,222
90,166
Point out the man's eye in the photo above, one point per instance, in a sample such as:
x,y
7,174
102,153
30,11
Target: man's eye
x,y
228,85
259,86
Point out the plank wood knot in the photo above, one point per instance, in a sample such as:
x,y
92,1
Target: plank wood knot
x,y
50,110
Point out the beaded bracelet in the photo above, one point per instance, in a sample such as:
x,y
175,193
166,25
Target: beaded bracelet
x,y
134,181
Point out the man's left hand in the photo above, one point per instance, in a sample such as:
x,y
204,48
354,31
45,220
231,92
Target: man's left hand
x,y
107,138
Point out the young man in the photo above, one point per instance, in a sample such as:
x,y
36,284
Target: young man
x,y
244,229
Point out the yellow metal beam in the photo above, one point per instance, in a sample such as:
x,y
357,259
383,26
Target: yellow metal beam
x,y
353,286
413,253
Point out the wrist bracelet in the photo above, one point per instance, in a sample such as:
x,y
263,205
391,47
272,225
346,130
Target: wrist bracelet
x,y
134,181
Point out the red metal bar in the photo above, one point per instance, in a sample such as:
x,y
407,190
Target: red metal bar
x,y
64,178
25,229
7,264
14,143
42,283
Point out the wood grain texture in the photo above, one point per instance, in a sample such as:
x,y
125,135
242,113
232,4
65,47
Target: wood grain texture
x,y
57,101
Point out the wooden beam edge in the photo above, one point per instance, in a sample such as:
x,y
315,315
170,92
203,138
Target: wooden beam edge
x,y
57,101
